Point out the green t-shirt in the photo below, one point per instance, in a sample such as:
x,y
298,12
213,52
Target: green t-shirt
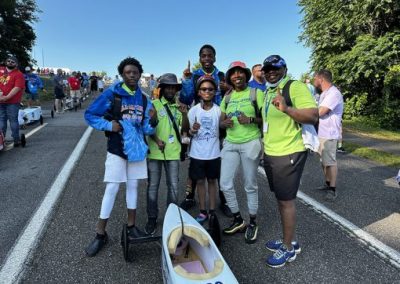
x,y
165,131
241,102
283,136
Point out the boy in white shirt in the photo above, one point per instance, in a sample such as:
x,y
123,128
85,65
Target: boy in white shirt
x,y
205,161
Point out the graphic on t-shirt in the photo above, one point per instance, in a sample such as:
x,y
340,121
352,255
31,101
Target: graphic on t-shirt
x,y
208,129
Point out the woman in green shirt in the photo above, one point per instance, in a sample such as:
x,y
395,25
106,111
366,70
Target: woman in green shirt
x,y
242,146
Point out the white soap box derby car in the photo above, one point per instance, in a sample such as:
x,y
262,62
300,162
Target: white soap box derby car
x,y
189,254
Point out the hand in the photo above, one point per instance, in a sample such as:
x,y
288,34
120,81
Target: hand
x,y
186,73
196,126
44,91
227,122
161,145
279,102
116,127
223,86
243,119
182,108
153,113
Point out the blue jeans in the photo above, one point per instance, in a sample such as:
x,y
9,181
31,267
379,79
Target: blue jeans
x,y
154,175
10,112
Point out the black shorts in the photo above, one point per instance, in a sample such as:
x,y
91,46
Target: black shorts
x,y
201,169
284,173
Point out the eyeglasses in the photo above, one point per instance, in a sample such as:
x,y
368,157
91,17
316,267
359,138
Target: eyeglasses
x,y
210,90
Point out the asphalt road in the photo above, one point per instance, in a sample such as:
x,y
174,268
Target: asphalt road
x,y
367,197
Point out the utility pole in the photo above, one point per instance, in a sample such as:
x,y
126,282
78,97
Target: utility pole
x,y
42,58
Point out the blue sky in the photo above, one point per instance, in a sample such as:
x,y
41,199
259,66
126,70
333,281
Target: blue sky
x,y
89,35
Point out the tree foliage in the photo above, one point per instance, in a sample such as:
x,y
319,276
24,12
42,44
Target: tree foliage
x,y
359,41
16,33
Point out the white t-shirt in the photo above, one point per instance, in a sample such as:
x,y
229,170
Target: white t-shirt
x,y
330,124
205,143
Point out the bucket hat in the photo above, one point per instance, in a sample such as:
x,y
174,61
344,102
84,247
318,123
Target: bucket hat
x,y
237,64
169,79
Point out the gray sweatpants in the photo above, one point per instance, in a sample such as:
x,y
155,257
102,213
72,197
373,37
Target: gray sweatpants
x,y
232,155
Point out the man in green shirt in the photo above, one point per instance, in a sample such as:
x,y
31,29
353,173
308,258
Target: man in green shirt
x,y
165,146
285,154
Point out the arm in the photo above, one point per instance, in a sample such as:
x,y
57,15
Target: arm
x,y
95,112
304,115
148,129
186,95
323,110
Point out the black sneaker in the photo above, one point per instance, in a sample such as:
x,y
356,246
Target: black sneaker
x,y
188,203
236,226
135,233
17,143
341,150
331,195
96,245
151,225
251,234
226,210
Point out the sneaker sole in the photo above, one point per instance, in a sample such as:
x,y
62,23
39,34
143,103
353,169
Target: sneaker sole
x,y
240,229
283,264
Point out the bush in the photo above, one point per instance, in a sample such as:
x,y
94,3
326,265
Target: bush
x,y
355,106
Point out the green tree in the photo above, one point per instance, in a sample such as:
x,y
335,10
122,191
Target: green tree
x,y
16,33
358,41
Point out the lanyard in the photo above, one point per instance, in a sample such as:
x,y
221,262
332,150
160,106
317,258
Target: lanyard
x,y
268,102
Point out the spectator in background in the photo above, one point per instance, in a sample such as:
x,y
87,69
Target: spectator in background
x,y
116,80
100,84
74,86
258,81
32,85
93,84
12,84
59,94
330,109
152,83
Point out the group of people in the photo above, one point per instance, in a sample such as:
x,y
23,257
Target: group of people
x,y
231,121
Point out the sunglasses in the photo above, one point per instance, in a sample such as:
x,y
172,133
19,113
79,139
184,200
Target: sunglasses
x,y
207,90
10,61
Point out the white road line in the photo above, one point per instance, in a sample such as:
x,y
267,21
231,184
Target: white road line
x,y
19,255
29,134
33,131
382,250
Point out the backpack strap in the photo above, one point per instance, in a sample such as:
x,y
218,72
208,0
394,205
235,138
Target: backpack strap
x,y
144,101
253,99
286,93
116,107
171,117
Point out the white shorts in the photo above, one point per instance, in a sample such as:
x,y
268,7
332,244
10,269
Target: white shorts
x,y
120,170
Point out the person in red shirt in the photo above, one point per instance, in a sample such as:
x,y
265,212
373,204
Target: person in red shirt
x,y
74,86
12,85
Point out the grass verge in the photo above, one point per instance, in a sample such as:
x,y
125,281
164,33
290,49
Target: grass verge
x,y
381,157
366,128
